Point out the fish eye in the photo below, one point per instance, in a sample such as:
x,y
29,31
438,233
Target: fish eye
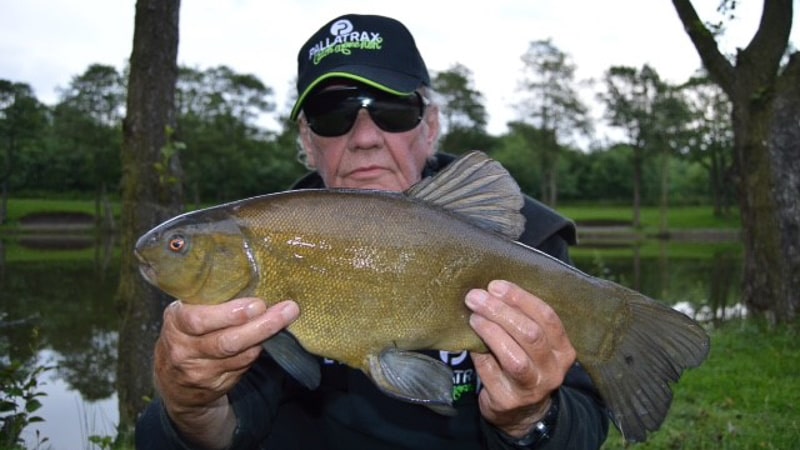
x,y
177,243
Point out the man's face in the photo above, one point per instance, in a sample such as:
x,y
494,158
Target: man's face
x,y
366,156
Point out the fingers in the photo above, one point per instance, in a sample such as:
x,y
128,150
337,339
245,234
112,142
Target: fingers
x,y
197,320
506,353
505,310
203,350
229,328
202,319
529,354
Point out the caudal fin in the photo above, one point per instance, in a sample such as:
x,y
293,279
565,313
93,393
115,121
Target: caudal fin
x,y
658,345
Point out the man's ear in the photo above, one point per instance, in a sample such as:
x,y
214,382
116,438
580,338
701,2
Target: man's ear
x,y
434,127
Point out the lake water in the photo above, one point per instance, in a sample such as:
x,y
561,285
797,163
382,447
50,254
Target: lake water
x,y
65,290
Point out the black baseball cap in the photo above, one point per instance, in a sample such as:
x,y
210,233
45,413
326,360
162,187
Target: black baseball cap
x,y
375,50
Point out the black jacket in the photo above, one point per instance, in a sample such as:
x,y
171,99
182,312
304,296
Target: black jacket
x,y
348,412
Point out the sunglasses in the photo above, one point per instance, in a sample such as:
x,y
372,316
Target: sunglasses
x,y
332,113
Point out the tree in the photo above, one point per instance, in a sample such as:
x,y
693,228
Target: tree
x,y
464,115
226,153
22,118
221,92
150,193
712,138
655,117
765,98
671,136
606,175
515,152
88,120
550,102
99,93
630,97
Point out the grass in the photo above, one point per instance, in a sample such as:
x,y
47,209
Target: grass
x,y
678,217
654,248
16,253
743,397
19,208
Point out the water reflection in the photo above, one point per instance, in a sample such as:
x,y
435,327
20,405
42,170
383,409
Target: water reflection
x,y
702,280
69,295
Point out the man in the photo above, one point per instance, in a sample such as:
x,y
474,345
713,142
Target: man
x,y
367,122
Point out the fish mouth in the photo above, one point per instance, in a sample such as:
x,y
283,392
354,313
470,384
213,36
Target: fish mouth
x,y
147,271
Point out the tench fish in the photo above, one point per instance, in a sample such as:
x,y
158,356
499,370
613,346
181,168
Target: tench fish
x,y
381,275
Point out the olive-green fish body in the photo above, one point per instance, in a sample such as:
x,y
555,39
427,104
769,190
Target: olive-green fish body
x,y
378,275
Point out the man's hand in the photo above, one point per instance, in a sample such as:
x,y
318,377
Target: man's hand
x,y
202,353
529,357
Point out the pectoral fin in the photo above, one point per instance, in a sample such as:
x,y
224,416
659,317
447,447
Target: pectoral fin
x,y
414,378
294,359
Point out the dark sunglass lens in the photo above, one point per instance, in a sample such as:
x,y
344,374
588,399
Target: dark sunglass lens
x,y
396,114
332,113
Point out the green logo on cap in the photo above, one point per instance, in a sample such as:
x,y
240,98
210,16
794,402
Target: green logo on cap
x,y
346,48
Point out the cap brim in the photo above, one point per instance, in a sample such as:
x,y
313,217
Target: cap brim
x,y
385,80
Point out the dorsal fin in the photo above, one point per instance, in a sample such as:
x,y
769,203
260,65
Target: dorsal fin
x,y
479,189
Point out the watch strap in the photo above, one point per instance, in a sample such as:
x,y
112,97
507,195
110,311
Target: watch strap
x,y
541,431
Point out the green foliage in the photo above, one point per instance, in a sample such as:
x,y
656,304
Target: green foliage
x,y
22,118
550,111
226,154
549,97
462,112
21,207
517,153
605,175
19,398
680,218
168,152
74,146
462,105
104,442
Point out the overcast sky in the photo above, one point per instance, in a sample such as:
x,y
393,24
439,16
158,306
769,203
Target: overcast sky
x,y
47,42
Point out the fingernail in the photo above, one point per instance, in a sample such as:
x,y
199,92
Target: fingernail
x,y
476,320
254,309
499,287
289,310
476,298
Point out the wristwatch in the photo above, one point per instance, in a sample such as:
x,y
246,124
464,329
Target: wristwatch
x,y
541,431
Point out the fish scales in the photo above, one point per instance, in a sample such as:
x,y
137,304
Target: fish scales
x,y
335,280
374,280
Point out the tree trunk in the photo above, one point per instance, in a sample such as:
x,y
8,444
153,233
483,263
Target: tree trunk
x,y
551,170
784,152
4,180
637,185
3,201
663,210
553,187
145,200
766,112
716,182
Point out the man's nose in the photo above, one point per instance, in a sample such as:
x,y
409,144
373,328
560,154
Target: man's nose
x,y
364,126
